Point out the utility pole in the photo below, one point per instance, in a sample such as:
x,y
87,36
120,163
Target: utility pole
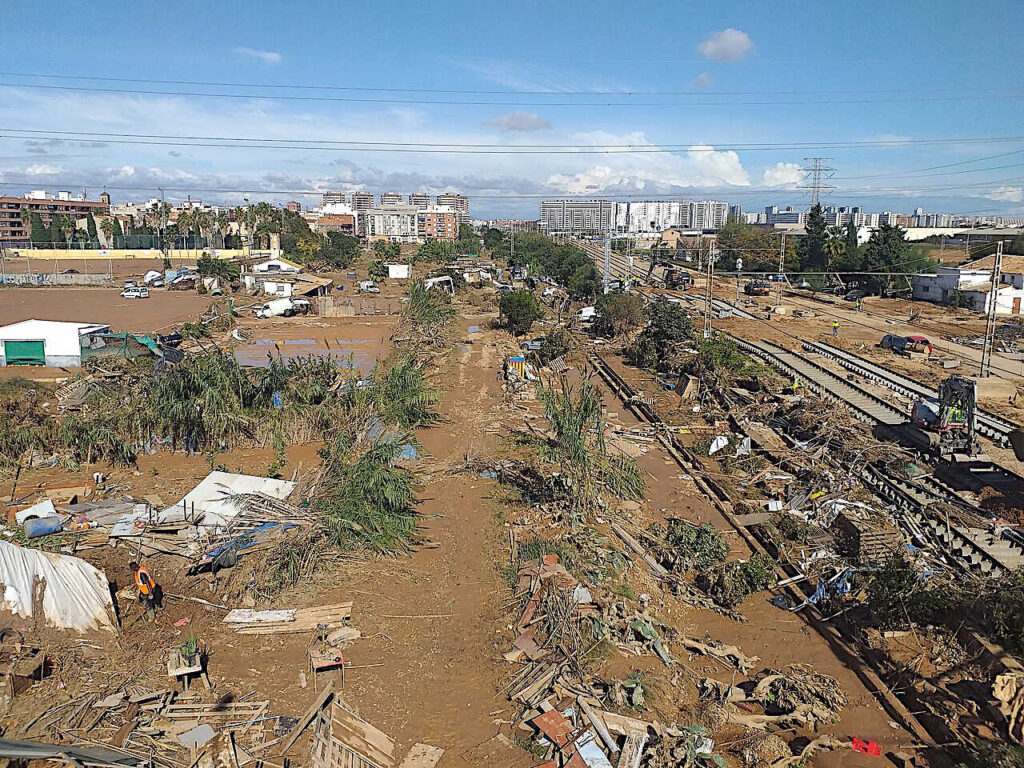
x,y
607,254
708,291
782,266
512,242
990,320
739,266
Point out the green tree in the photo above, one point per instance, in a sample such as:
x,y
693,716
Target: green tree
x,y
520,309
222,268
468,241
117,233
90,228
668,326
585,282
757,247
386,250
811,248
37,231
339,250
619,313
852,242
835,245
441,251
492,239
887,252
107,228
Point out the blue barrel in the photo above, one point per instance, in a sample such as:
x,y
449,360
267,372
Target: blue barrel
x,y
43,526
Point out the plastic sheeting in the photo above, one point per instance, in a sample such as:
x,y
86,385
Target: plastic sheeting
x,y
74,594
211,501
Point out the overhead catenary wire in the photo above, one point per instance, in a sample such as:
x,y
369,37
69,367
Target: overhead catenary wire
x,y
495,103
484,92
702,145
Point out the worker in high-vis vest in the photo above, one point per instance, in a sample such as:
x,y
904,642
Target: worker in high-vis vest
x,y
150,592
835,327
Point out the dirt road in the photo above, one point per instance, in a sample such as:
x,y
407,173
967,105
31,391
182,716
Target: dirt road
x,y
161,312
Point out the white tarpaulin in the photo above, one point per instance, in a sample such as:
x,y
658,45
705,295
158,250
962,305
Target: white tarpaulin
x,y
211,501
74,594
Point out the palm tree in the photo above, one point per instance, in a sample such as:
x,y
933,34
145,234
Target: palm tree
x,y
201,220
223,224
107,228
185,221
835,244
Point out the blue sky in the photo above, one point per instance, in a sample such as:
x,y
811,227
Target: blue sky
x,y
576,77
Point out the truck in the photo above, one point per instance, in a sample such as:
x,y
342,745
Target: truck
x,y
282,308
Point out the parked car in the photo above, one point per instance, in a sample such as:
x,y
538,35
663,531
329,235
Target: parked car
x,y
894,342
170,339
532,345
547,292
135,292
803,284
919,344
368,286
158,283
503,288
856,295
130,284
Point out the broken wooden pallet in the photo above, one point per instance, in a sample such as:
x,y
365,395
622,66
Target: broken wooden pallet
x,y
234,711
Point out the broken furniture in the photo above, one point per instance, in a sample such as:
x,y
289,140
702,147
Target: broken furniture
x,y
183,669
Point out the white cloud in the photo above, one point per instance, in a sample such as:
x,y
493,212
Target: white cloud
x,y
1007,194
267,57
520,122
782,175
727,45
703,80
652,172
42,169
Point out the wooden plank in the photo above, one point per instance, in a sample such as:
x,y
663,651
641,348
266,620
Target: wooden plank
x,y
632,751
422,756
249,616
638,549
318,704
361,737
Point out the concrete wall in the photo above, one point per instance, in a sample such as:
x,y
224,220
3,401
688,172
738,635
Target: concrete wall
x,y
123,253
48,279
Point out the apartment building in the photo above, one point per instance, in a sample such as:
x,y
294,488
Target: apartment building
x,y
15,211
398,223
705,214
648,216
577,217
332,197
419,199
293,206
390,198
459,202
437,222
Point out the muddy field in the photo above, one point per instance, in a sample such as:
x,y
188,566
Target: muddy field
x,y
161,312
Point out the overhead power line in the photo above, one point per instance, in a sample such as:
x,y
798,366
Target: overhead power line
x,y
972,96
505,92
694,146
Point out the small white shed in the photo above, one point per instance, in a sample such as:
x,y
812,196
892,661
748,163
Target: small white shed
x,y
399,271
47,342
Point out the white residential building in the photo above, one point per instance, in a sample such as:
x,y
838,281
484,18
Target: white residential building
x,y
393,222
577,217
647,216
705,214
973,281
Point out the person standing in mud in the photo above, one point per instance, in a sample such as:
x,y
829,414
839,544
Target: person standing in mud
x,y
150,592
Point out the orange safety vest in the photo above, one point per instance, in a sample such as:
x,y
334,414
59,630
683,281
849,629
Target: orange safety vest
x,y
144,581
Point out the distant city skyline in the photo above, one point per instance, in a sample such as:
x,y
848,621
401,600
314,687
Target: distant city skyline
x,y
267,105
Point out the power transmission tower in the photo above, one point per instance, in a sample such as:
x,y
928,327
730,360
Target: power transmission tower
x,y
990,320
816,175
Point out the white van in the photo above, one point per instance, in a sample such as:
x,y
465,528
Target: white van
x,y
135,292
586,314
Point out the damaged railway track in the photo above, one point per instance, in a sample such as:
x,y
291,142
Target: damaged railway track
x,y
847,646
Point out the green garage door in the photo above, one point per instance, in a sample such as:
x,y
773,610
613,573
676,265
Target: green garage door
x,y
24,353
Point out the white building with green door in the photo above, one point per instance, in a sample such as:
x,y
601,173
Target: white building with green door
x,y
48,342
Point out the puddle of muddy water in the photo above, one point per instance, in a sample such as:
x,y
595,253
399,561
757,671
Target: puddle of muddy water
x,y
355,353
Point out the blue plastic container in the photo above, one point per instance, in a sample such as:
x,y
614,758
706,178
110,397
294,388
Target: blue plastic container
x,y
43,526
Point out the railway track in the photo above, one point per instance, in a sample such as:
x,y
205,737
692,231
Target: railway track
x,y
991,426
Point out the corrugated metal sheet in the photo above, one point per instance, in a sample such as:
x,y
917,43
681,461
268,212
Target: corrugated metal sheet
x,y
211,500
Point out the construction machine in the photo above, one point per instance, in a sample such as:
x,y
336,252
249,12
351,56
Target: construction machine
x,y
677,279
947,425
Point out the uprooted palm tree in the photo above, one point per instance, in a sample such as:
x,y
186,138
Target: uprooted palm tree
x,y
578,446
364,499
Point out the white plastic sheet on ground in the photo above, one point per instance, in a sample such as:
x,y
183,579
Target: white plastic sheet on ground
x,y
74,594
211,500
